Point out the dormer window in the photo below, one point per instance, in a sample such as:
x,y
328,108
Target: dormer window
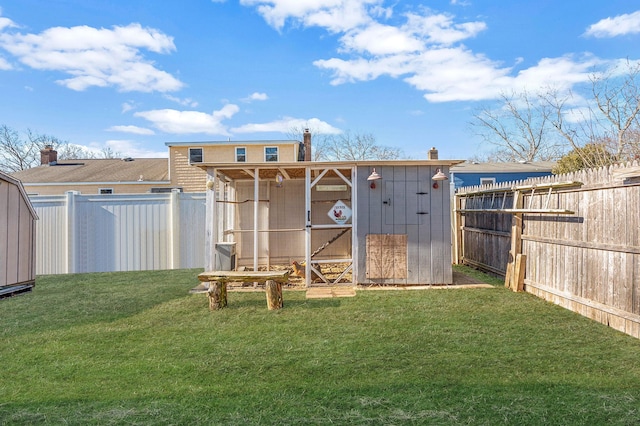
x,y
271,153
241,155
195,155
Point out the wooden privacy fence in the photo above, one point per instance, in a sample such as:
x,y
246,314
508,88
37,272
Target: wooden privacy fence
x,y
571,239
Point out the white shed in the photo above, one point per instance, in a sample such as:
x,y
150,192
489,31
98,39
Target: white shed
x,y
17,238
350,226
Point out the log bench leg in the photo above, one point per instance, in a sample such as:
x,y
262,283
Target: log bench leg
x,y
274,295
217,295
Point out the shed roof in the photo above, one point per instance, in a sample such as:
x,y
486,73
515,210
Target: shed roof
x,y
297,169
100,170
515,167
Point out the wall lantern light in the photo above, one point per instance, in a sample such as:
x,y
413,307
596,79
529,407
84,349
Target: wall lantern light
x,y
279,180
438,177
373,177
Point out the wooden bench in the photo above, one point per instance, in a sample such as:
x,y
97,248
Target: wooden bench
x,y
218,280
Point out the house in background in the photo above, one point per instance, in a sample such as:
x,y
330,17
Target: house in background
x,y
183,155
472,174
17,238
152,175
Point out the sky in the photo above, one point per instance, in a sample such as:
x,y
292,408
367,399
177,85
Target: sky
x,y
131,75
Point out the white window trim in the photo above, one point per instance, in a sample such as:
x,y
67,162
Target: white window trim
x,y
189,155
277,154
245,154
487,180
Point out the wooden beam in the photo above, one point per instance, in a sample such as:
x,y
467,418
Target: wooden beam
x,y
518,211
536,186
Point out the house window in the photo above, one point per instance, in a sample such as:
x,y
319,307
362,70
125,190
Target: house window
x,y
271,153
487,181
195,155
241,155
103,191
163,190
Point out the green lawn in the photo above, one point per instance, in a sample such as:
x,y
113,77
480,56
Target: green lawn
x,y
136,348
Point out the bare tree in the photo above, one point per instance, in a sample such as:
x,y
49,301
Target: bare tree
x,y
17,153
20,153
347,146
519,129
610,120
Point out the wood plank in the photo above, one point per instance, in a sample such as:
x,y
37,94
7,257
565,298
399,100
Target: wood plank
x,y
244,276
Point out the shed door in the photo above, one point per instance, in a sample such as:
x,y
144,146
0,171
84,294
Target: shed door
x,y
402,203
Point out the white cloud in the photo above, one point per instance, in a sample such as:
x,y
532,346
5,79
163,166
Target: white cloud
x,y
286,124
378,39
256,96
128,106
184,102
185,122
628,23
423,47
440,28
6,22
4,65
96,57
132,149
131,129
335,15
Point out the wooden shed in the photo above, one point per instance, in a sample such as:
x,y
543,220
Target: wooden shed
x,y
17,238
348,223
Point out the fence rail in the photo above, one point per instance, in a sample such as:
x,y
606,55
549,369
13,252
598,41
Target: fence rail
x,y
104,233
586,259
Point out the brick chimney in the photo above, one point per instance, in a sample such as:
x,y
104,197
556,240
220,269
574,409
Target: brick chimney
x,y
433,154
307,145
48,156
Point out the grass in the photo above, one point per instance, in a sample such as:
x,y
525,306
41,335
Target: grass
x,y
136,348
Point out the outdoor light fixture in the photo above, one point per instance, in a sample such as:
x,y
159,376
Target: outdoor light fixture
x,y
438,177
373,177
279,180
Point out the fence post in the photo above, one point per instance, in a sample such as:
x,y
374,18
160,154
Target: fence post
x,y
457,231
70,242
174,218
512,272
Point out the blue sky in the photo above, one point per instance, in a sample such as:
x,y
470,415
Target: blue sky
x,y
133,74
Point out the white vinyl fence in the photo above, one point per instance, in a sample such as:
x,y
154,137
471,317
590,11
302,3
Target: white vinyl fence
x,y
104,233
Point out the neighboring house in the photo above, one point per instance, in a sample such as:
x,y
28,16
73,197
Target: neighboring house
x,y
182,156
17,238
149,175
471,174
104,176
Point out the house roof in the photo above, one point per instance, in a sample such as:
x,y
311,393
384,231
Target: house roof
x,y
537,166
101,170
235,143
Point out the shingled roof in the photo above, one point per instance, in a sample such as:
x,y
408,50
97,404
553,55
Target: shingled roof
x,y
102,170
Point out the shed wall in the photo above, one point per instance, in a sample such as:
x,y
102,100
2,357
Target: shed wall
x,y
404,202
17,232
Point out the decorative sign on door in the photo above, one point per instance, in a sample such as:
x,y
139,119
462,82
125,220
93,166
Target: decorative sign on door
x,y
340,213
